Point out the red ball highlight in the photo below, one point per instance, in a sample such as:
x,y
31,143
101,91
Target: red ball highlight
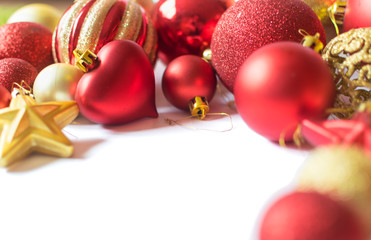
x,y
281,84
187,77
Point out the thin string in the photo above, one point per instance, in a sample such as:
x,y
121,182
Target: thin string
x,y
178,122
297,137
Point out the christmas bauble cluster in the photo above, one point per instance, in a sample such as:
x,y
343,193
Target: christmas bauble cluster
x,y
267,53
112,43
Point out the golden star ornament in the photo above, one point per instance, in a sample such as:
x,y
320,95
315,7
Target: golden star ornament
x,y
26,127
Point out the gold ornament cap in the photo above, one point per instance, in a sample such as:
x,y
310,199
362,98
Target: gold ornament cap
x,y
85,60
199,107
310,41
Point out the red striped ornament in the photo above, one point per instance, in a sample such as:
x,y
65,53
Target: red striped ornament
x,y
90,24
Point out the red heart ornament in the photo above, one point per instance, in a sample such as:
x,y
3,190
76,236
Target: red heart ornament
x,y
121,86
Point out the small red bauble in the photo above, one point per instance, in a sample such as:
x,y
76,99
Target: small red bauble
x,y
357,14
187,77
186,26
309,216
121,88
250,24
14,70
281,84
4,97
28,41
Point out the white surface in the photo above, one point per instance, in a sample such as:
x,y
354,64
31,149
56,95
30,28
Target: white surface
x,y
148,180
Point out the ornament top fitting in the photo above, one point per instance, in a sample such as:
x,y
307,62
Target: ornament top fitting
x,y
199,107
85,60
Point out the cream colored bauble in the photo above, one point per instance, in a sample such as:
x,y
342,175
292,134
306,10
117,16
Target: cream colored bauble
x,y
43,14
57,82
345,174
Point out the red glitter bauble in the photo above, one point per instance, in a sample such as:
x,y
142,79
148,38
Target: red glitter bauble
x,y
31,42
281,84
250,24
357,14
186,26
4,97
309,216
188,77
14,70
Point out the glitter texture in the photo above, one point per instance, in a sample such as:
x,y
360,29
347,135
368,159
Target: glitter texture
x,y
130,28
250,24
16,70
31,42
131,23
64,31
93,24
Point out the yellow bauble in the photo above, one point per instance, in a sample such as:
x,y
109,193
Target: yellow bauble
x,y
57,82
320,8
43,14
345,174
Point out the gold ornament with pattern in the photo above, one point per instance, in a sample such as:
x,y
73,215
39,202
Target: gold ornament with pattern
x,y
349,58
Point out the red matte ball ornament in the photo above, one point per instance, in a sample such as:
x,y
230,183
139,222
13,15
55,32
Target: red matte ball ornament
x,y
187,77
281,84
309,216
120,87
31,42
357,14
4,97
14,70
186,26
250,24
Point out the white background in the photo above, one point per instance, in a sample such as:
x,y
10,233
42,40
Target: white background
x,y
148,180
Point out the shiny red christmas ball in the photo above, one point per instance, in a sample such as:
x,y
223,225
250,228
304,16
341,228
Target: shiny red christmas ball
x,y
121,87
357,14
186,26
28,41
309,216
14,70
187,77
281,84
4,97
250,24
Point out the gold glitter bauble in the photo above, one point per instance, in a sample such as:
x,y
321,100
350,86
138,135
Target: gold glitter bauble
x,y
349,58
345,174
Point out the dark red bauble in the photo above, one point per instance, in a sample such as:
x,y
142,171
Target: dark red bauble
x,y
309,216
121,88
250,24
187,77
281,84
31,42
357,14
186,26
4,97
14,70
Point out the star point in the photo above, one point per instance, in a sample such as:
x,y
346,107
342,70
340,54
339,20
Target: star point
x,y
26,127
